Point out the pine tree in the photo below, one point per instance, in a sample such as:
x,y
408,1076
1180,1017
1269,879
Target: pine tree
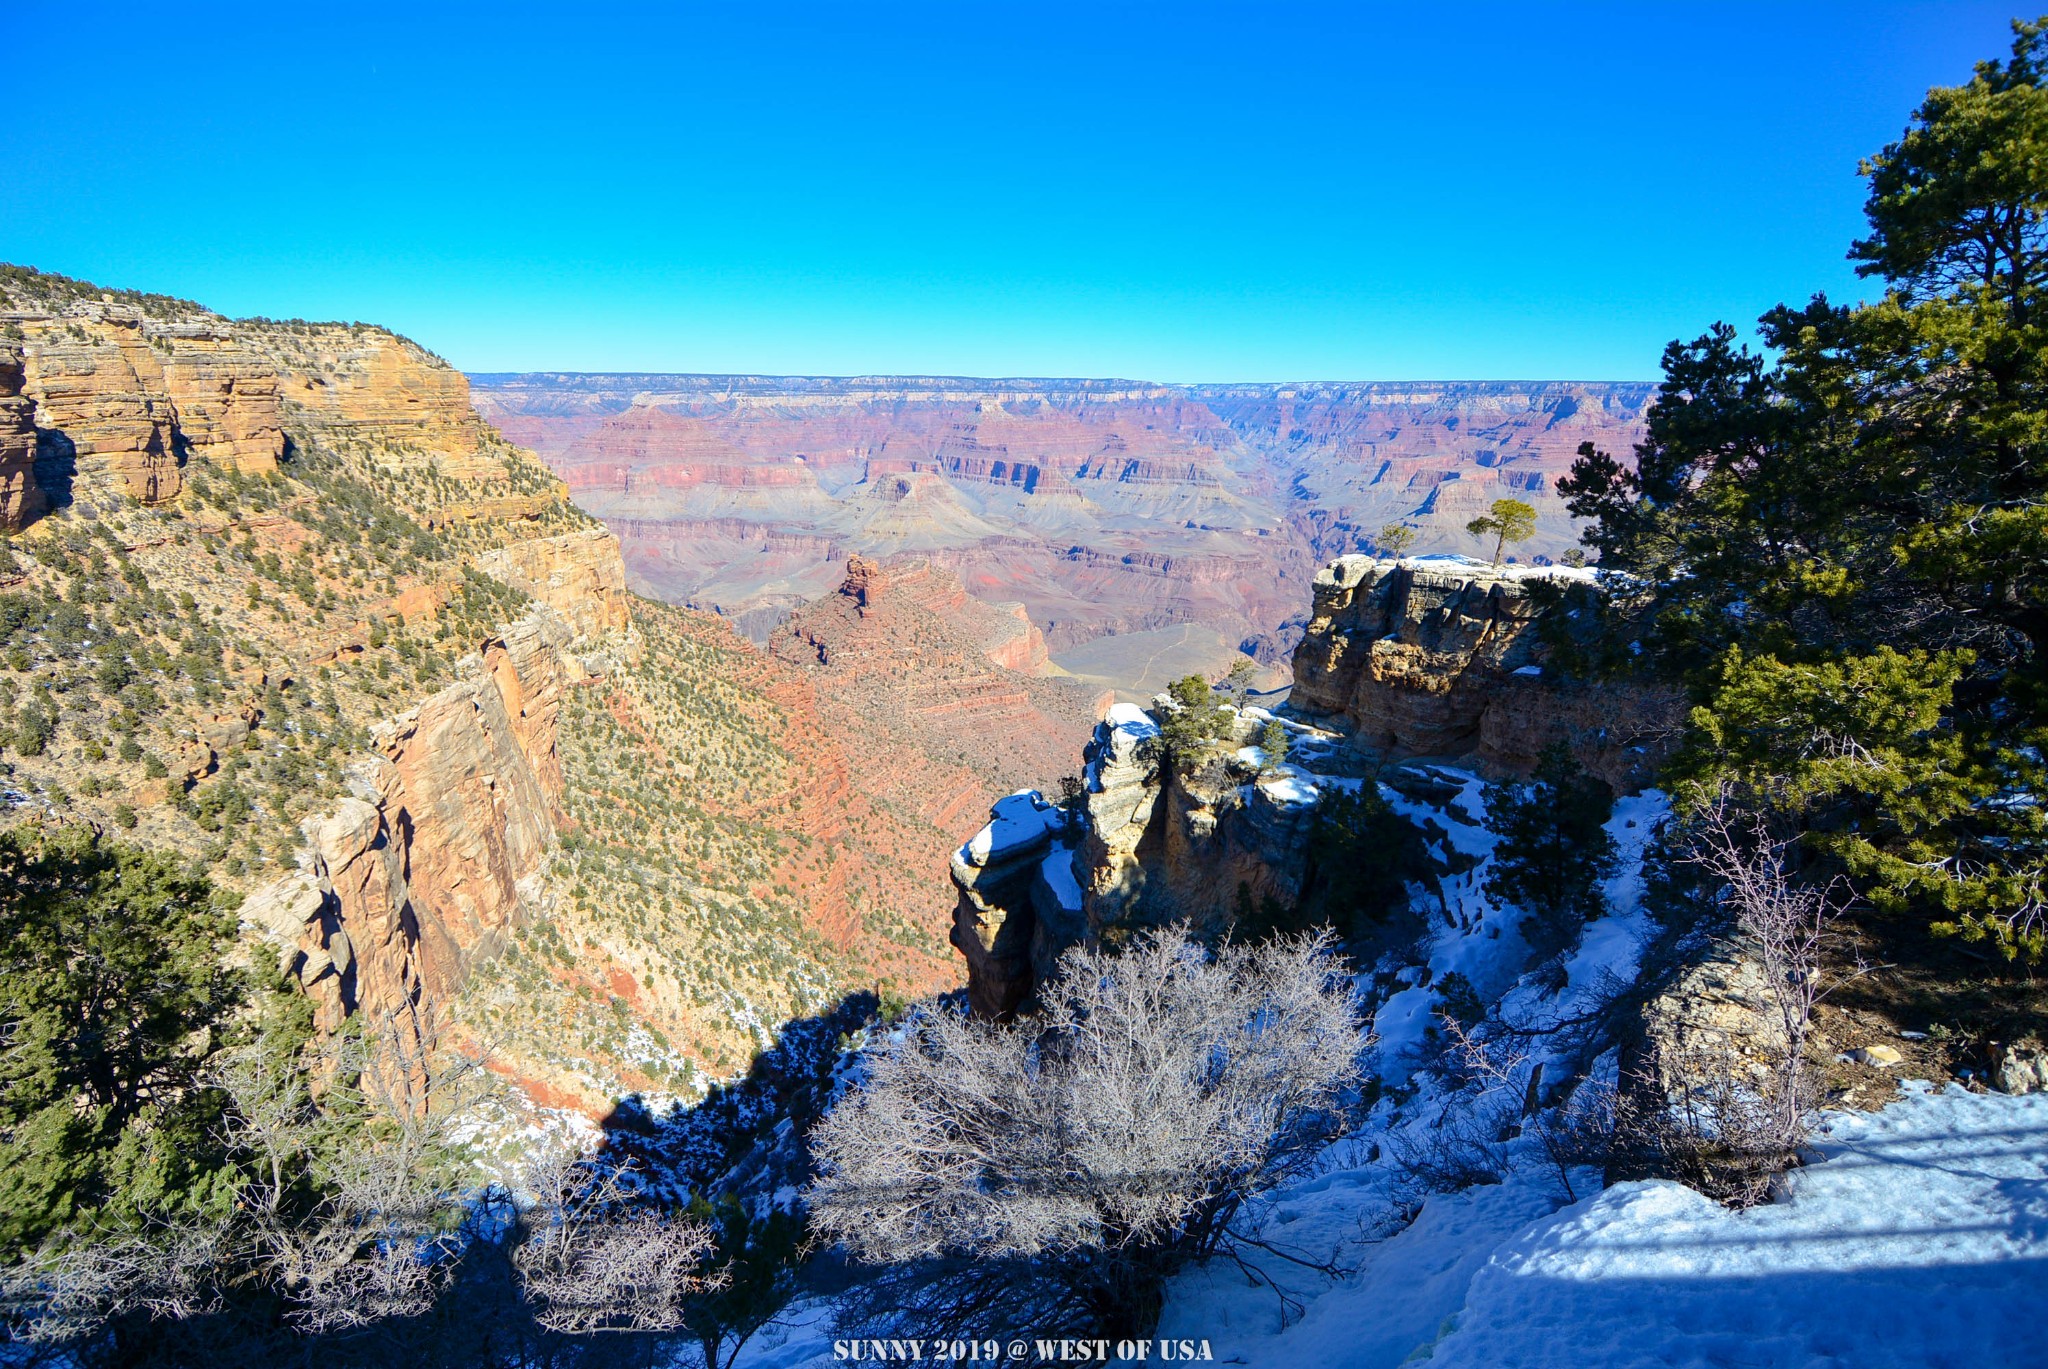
x,y
1554,850
112,971
1849,542
1273,744
1195,720
1509,520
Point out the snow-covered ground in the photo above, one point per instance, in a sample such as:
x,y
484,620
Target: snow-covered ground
x,y
1919,1236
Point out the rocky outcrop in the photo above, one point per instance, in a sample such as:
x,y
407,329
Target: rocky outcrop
x,y
944,701
443,848
126,401
1144,849
577,574
1438,658
378,387
21,498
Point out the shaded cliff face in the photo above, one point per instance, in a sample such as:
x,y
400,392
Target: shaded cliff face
x,y
1108,508
1438,658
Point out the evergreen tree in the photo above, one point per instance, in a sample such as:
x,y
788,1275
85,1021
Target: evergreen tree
x,y
1395,539
1553,850
751,1273
1273,743
1509,520
1849,543
1195,720
110,985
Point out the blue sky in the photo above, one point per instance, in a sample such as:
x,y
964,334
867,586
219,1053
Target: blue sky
x,y
1172,192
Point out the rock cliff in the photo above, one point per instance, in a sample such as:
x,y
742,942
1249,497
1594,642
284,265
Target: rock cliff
x,y
1431,659
125,400
1437,657
21,497
440,853
1138,848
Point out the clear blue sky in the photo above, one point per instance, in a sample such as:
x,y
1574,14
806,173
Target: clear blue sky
x,y
1175,192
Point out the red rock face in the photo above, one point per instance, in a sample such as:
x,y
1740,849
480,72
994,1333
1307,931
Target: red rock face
x,y
941,701
444,860
1104,507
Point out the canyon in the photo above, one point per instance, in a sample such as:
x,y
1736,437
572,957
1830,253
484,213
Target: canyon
x,y
279,600
1132,521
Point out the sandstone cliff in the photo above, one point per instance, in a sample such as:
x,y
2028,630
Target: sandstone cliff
x,y
1141,848
440,852
125,400
1403,662
21,497
1437,657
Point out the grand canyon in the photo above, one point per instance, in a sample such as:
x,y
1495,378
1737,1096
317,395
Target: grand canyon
x,y
1147,530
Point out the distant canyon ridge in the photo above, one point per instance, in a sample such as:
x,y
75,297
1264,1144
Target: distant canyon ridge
x,y
1147,529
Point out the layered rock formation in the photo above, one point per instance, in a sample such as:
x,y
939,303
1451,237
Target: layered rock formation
x,y
1437,658
577,574
21,497
126,400
1108,508
440,852
1403,661
1141,848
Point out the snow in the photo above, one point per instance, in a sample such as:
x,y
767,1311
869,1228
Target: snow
x,y
1919,1238
1288,784
1058,870
1586,575
1134,722
1018,822
1529,670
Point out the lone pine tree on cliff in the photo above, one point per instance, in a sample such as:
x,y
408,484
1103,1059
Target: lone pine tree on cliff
x,y
1510,521
1847,531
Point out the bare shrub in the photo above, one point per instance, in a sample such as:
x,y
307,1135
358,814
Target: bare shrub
x,y
595,1260
1502,1101
1114,1137
1730,1118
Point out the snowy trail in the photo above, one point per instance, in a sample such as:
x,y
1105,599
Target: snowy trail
x,y
1920,1239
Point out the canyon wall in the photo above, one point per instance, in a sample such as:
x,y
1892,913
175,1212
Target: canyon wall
x,y
1439,659
1110,509
440,853
124,401
21,495
941,700
1404,664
